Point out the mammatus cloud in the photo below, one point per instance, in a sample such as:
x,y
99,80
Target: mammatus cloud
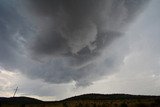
x,y
65,41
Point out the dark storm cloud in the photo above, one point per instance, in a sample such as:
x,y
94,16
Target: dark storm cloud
x,y
78,28
67,37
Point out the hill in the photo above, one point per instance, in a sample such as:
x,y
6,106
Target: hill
x,y
19,100
86,100
109,97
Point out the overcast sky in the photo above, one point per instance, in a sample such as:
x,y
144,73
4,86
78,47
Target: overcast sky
x,y
55,49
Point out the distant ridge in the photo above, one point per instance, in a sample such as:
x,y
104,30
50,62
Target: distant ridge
x,y
86,100
19,100
94,96
91,96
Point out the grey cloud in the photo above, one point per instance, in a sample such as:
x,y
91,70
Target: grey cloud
x,y
67,39
9,26
79,25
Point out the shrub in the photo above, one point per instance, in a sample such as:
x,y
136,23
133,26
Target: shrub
x,y
141,105
123,105
65,105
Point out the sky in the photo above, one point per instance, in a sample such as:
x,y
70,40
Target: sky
x,y
57,49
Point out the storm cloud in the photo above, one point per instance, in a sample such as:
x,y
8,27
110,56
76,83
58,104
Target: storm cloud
x,y
65,40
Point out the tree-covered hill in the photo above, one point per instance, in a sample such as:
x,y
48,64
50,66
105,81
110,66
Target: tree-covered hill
x,y
109,97
19,100
86,100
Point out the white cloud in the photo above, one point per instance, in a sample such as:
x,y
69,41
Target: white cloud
x,y
35,88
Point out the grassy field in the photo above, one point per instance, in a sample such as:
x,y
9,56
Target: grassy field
x,y
88,100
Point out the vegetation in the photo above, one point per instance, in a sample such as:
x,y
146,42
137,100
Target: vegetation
x,y
87,100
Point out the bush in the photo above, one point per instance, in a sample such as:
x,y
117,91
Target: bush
x,y
123,105
65,105
141,105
